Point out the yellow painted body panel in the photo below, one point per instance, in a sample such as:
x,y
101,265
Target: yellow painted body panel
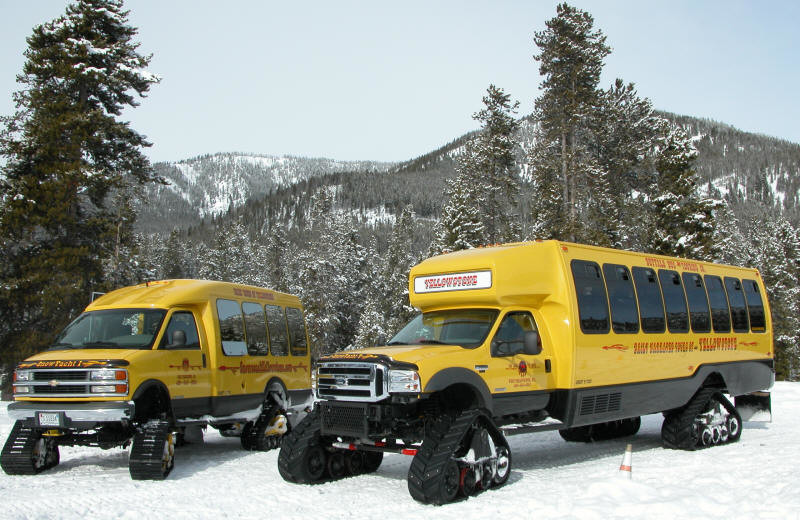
x,y
184,372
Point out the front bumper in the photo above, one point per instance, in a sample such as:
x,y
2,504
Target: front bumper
x,y
73,415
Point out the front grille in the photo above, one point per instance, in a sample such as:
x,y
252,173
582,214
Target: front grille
x,y
61,389
345,419
61,375
351,381
66,383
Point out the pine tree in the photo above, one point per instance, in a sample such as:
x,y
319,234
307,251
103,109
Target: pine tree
x,y
491,160
69,162
684,220
571,60
461,224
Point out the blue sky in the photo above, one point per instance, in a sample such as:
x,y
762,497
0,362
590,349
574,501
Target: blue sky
x,y
395,80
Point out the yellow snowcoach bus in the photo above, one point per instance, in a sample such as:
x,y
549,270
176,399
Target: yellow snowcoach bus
x,y
535,336
153,364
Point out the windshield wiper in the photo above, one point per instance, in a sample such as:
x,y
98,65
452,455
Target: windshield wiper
x,y
433,342
396,343
99,344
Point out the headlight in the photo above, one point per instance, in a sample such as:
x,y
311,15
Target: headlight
x,y
109,375
109,389
23,375
405,381
22,389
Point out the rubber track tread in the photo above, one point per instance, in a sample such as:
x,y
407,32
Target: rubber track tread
x,y
17,455
676,432
254,441
147,451
426,472
303,436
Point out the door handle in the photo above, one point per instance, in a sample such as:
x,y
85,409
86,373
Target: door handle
x,y
547,366
204,360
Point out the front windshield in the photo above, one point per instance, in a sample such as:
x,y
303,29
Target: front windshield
x,y
118,328
465,327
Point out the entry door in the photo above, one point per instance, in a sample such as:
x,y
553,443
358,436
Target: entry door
x,y
510,369
184,360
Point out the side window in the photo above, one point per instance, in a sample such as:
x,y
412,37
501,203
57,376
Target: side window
x,y
255,327
755,306
651,306
698,303
622,299
231,328
297,331
279,344
510,337
181,333
738,307
720,313
674,300
591,293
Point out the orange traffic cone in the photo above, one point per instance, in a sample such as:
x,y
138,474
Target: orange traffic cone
x,y
625,467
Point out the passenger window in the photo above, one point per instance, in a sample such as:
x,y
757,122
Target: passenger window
x,y
733,287
510,337
720,313
674,300
231,328
622,299
279,345
592,300
255,327
181,333
698,302
297,331
755,306
651,306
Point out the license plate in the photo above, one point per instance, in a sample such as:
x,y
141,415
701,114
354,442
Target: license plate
x,y
49,419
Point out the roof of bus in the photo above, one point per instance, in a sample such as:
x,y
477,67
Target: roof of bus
x,y
526,272
168,293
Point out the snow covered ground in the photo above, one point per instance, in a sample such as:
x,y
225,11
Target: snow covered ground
x,y
755,478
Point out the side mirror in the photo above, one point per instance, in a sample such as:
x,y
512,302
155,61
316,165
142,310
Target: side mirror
x,y
531,343
380,341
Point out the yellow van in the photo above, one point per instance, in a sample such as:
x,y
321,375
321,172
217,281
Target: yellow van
x,y
535,336
150,365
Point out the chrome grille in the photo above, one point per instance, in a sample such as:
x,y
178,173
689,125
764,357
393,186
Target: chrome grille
x,y
67,383
351,381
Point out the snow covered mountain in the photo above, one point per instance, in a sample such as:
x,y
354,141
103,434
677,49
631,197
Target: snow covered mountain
x,y
210,185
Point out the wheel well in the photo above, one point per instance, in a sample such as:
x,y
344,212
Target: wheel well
x,y
459,396
152,402
715,380
276,387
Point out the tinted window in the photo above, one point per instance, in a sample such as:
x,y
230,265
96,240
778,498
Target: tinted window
x,y
181,332
733,287
279,344
674,300
720,314
698,303
651,306
591,292
231,328
297,331
466,328
755,306
622,299
255,327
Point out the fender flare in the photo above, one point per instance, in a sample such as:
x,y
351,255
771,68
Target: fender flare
x,y
458,375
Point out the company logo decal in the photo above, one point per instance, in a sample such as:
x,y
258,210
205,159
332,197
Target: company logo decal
x,y
523,368
453,282
618,346
72,363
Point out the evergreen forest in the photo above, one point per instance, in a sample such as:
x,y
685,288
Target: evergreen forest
x,y
82,210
